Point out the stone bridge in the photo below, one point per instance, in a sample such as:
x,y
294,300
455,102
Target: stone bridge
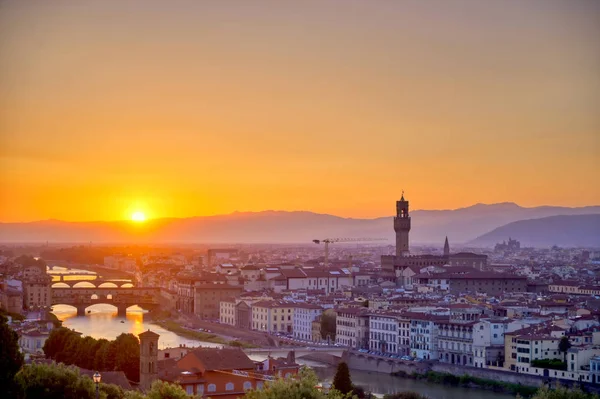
x,y
300,352
97,282
122,298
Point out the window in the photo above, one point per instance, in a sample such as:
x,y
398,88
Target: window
x,y
189,389
212,388
229,386
200,389
247,385
259,385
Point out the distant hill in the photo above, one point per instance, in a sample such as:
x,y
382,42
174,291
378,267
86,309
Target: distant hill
x,y
428,226
564,231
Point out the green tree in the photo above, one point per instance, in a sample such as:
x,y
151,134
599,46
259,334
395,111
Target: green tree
x,y
342,381
49,381
41,381
305,387
561,392
127,355
160,390
11,358
328,325
563,345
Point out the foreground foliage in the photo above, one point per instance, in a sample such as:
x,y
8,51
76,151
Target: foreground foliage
x,y
59,381
561,392
66,346
11,359
305,387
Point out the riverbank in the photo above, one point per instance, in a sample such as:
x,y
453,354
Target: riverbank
x,y
178,329
468,381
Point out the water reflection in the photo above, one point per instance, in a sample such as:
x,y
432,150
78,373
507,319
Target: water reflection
x,y
101,321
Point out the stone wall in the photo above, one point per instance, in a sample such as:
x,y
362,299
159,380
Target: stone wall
x,y
366,362
490,374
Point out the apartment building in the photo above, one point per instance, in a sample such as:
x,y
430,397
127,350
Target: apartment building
x,y
273,316
304,315
383,332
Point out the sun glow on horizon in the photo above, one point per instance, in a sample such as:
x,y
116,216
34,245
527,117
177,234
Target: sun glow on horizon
x,y
138,216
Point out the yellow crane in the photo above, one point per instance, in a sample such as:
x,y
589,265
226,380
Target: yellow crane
x,y
328,241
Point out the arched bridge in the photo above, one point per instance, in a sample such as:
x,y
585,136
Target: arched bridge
x,y
122,298
97,282
282,352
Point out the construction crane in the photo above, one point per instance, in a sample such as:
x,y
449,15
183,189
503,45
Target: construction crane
x,y
328,241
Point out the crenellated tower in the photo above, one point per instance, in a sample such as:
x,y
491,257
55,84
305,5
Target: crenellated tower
x,y
402,227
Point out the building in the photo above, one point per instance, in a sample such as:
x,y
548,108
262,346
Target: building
x,y
148,359
273,316
383,332
352,327
304,315
537,342
33,341
208,297
394,266
473,282
488,341
11,299
215,373
37,291
424,335
402,227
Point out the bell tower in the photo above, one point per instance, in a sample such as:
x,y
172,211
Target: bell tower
x,y
148,359
402,227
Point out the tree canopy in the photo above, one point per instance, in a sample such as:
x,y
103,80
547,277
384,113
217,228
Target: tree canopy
x,y
563,345
59,381
305,387
11,359
342,381
122,354
561,392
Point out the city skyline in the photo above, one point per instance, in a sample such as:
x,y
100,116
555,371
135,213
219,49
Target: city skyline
x,y
204,109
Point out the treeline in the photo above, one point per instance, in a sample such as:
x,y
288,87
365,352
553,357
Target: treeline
x,y
122,354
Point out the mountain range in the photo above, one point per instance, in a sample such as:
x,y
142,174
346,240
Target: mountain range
x,y
479,224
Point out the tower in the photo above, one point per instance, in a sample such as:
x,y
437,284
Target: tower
x,y
148,359
402,226
446,248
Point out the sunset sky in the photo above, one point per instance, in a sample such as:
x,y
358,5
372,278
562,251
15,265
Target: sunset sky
x,y
184,108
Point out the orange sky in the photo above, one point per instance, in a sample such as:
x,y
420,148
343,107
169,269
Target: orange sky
x,y
190,108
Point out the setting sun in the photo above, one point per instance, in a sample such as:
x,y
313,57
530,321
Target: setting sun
x,y
138,216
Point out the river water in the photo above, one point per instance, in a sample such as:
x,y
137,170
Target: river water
x,y
101,321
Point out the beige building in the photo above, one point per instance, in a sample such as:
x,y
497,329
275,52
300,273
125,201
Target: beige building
x,y
37,291
273,316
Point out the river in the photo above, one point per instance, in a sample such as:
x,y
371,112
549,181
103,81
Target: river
x,y
102,322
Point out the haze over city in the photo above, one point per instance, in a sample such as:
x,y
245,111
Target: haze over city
x,y
193,108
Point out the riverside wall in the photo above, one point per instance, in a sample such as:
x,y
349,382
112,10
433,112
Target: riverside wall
x,y
489,374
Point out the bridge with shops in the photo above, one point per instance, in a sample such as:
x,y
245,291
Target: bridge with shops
x,y
97,282
123,298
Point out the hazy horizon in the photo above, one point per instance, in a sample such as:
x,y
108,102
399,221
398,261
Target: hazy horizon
x,y
390,214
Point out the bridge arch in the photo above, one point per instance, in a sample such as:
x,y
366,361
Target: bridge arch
x,y
60,284
108,284
84,284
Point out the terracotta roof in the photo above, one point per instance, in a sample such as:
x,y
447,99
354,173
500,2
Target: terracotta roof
x,y
222,359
